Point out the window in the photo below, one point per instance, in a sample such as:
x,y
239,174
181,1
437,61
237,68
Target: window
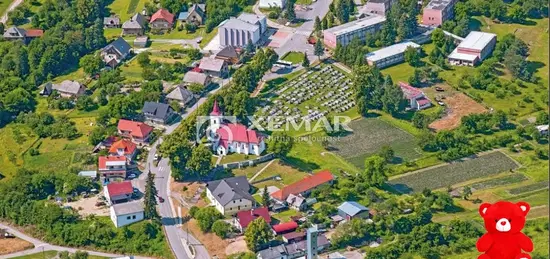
x,y
134,217
128,217
239,208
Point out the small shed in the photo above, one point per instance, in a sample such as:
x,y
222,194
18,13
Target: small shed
x,y
141,42
352,209
88,174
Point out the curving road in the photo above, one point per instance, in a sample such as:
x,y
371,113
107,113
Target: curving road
x,y
40,246
12,6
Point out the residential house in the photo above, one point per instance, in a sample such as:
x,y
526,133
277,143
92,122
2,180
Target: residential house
x,y
118,192
233,137
115,52
391,55
46,89
304,186
112,167
162,20
473,49
229,54
124,148
438,11
416,98
127,213
135,26
111,22
230,195
296,202
299,249
197,78
543,129
294,237
272,3
141,42
181,95
196,14
244,218
138,132
69,89
285,227
157,113
351,209
15,33
214,67
275,252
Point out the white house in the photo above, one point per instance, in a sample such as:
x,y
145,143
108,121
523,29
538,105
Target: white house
x,y
127,213
272,3
543,129
230,195
416,98
233,137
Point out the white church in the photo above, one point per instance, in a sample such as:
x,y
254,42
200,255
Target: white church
x,y
233,137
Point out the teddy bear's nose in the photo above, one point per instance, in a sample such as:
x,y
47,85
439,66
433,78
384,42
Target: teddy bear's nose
x,y
503,223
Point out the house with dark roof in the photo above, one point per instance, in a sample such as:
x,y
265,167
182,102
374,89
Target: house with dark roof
x,y
162,20
229,54
274,252
15,33
69,89
112,167
197,78
157,113
111,22
292,250
243,218
118,192
230,195
135,26
304,186
181,95
136,131
214,67
233,137
127,213
114,53
351,209
196,14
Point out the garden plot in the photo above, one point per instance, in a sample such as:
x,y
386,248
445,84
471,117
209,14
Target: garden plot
x,y
497,182
454,173
311,96
369,136
529,188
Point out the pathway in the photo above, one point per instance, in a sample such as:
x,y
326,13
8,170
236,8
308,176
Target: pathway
x,y
259,172
40,246
12,6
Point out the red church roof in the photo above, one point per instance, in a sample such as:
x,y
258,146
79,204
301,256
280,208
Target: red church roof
x,y
128,146
136,129
116,189
285,227
245,217
234,132
303,185
215,109
163,14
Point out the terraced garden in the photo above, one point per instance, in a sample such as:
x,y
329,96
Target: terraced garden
x,y
453,173
529,188
497,182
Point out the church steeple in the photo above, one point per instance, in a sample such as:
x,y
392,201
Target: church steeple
x,y
216,110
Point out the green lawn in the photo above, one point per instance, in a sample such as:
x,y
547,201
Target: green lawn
x,y
4,4
51,255
294,57
113,33
125,9
131,71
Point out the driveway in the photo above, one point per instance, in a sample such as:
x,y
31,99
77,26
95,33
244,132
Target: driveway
x,y
40,246
12,6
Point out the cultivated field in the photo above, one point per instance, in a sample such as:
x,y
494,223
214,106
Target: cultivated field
x,y
498,182
369,136
453,173
529,188
12,245
458,106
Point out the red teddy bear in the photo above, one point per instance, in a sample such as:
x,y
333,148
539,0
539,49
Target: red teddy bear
x,y
504,222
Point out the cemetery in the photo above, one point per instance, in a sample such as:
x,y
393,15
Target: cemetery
x,y
315,94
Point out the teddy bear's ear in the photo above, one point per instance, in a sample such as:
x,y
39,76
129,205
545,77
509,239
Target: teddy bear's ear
x,y
483,209
524,206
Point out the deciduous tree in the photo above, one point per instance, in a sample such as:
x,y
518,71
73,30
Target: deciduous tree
x,y
257,234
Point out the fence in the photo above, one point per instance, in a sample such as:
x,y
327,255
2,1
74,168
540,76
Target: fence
x,y
247,163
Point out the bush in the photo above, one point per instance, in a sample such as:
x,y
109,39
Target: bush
x,y
273,15
221,228
34,152
193,211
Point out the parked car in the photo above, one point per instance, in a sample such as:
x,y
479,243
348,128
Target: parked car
x,y
161,200
132,176
439,89
99,204
8,235
441,103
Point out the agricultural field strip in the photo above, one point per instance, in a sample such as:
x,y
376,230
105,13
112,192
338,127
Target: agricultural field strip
x,y
529,188
497,182
454,172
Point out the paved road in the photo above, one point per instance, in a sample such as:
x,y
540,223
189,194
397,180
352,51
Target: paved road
x,y
40,246
12,6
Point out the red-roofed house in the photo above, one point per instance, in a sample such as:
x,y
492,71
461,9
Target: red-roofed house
x,y
233,137
162,20
304,186
284,228
118,192
123,147
112,167
416,98
136,131
244,218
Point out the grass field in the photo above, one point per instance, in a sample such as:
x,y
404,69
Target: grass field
x,y
369,136
125,9
287,173
51,255
529,188
294,57
453,173
4,4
